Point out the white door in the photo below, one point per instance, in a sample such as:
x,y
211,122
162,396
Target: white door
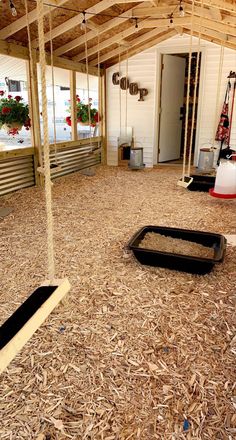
x,y
172,96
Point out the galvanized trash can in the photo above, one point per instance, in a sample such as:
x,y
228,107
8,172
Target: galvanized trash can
x,y
206,159
136,159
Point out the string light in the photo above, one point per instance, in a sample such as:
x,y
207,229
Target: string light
x,y
171,18
13,9
181,9
136,24
83,24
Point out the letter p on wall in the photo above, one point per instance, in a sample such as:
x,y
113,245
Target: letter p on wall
x,y
142,93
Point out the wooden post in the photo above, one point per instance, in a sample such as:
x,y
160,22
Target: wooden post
x,y
73,105
35,118
102,109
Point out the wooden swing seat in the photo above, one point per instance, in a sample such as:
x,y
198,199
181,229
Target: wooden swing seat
x,y
22,324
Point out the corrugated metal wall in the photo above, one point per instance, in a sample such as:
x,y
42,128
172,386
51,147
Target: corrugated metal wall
x,y
16,173
74,159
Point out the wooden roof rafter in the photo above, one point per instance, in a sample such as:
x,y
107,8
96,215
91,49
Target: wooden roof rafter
x,y
21,23
101,30
217,20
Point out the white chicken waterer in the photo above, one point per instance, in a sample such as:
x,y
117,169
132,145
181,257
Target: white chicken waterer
x,y
225,183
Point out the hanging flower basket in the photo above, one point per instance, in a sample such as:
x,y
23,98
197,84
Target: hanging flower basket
x,y
83,113
12,128
14,114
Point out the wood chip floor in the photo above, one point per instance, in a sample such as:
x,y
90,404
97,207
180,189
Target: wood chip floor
x,y
136,352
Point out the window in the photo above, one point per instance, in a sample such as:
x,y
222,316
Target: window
x,y
62,103
82,92
13,81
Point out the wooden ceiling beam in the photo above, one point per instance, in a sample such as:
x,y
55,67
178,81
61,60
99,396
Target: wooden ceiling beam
x,y
186,21
75,21
19,24
144,46
210,13
119,50
220,27
214,34
90,35
212,39
163,22
223,5
109,41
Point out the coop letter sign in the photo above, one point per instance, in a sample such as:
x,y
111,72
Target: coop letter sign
x,y
125,85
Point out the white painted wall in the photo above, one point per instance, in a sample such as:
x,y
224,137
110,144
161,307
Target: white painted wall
x,y
142,116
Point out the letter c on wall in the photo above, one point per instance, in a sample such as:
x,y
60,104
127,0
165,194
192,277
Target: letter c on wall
x,y
115,79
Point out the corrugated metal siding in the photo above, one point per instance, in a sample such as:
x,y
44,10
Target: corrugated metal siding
x,y
141,115
74,159
16,173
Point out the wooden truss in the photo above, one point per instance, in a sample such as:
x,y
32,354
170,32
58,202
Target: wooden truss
x,y
216,19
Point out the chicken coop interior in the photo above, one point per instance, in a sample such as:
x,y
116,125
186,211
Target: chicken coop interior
x,y
117,219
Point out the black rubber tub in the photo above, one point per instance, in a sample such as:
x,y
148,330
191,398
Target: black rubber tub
x,y
201,183
185,263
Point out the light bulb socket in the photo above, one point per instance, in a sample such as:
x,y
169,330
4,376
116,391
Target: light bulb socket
x,y
13,9
181,11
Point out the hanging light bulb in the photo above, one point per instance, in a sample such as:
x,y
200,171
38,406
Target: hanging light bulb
x,y
181,9
171,19
136,25
13,9
83,24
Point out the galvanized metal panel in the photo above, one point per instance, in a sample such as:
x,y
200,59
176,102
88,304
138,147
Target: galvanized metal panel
x,y
16,173
74,159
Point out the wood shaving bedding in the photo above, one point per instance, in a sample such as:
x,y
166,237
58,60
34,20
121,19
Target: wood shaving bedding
x,y
163,243
136,352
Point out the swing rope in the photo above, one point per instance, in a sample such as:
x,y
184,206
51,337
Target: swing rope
x,y
87,72
33,92
220,73
48,192
53,88
120,89
126,92
188,95
195,91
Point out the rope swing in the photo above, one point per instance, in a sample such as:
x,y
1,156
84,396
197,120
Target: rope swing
x,y
47,174
186,179
16,331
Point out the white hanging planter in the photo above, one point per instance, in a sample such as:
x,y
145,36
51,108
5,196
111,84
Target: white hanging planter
x,y
12,125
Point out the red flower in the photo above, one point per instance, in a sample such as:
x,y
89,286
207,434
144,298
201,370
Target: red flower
x,y
27,124
96,117
79,119
6,110
68,121
18,98
2,92
9,96
77,99
13,131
